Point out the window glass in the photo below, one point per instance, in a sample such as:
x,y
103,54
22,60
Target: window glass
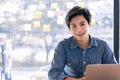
x,y
31,29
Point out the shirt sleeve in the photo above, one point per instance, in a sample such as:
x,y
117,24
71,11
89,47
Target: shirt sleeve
x,y
108,57
58,63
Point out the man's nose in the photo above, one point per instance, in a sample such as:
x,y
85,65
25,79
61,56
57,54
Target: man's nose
x,y
79,29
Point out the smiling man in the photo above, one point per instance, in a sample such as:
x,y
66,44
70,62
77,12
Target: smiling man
x,y
72,55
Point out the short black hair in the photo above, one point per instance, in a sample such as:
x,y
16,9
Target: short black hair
x,y
75,11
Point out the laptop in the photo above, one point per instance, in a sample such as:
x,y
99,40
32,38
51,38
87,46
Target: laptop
x,y
103,72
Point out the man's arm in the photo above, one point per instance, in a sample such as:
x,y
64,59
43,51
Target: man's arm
x,y
57,67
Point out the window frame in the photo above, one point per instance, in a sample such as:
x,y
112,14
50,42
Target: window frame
x,y
116,28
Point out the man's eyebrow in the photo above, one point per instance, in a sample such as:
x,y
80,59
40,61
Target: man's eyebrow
x,y
82,21
79,23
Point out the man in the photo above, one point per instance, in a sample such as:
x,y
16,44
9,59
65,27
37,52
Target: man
x,y
72,55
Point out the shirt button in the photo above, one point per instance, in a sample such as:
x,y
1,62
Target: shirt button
x,y
69,64
84,62
84,73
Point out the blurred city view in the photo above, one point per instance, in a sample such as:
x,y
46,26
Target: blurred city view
x,y
31,29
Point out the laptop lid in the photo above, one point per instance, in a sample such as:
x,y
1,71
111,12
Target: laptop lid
x,y
103,72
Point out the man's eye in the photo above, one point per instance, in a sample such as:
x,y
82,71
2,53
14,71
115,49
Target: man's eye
x,y
73,26
82,24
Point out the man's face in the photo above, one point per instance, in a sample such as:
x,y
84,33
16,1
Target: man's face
x,y
79,27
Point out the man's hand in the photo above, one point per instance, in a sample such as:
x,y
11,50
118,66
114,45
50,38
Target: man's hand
x,y
70,78
83,78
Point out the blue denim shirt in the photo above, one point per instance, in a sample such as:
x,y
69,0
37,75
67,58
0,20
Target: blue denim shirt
x,y
70,60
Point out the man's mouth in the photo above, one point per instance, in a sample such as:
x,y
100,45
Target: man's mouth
x,y
81,34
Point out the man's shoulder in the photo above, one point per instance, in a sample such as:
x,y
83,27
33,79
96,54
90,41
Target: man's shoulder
x,y
98,40
66,40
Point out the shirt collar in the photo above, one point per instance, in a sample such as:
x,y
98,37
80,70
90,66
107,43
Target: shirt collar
x,y
74,43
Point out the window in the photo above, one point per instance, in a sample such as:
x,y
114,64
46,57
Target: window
x,y
34,27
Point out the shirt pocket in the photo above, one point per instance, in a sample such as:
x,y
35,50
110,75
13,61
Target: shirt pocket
x,y
95,61
72,62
